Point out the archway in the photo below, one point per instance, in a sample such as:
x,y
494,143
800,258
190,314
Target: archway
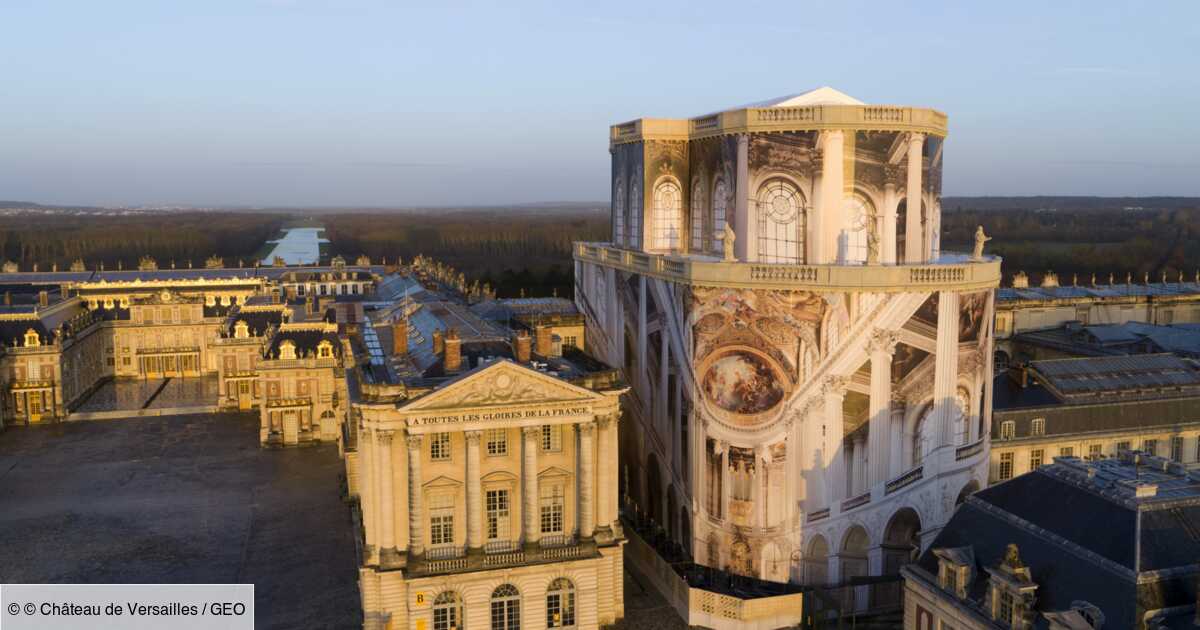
x,y
901,540
669,522
685,532
773,563
816,562
853,561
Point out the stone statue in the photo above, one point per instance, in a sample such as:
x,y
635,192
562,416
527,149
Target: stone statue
x,y
872,245
980,239
730,237
1012,557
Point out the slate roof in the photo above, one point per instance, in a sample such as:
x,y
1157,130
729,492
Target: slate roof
x,y
1010,294
1142,375
11,330
1085,534
306,342
257,320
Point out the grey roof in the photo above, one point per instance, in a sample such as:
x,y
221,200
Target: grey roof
x,y
1116,375
1010,294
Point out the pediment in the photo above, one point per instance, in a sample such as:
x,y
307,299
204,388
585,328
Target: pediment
x,y
498,384
441,481
497,476
551,472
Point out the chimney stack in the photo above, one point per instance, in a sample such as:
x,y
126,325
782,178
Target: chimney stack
x,y
43,298
400,337
543,340
453,362
522,346
438,346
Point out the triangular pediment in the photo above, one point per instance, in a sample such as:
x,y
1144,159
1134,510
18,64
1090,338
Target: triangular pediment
x,y
441,481
502,383
551,472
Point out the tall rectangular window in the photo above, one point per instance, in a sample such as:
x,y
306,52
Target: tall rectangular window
x,y
441,519
1150,446
1037,427
1066,451
552,509
1095,451
551,438
1036,457
1006,466
497,442
497,514
1008,430
439,447
1177,448
1122,446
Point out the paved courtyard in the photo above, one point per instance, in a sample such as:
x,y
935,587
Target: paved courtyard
x,y
180,499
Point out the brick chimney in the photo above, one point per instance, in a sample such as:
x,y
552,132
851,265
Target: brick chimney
x,y
523,346
400,337
543,340
453,361
438,346
43,298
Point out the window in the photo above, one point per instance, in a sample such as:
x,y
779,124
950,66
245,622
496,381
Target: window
x,y
441,519
1037,427
497,515
447,611
635,213
1008,430
668,200
1150,446
551,438
619,213
552,509
570,340
1004,607
720,202
439,447
506,608
852,243
1036,457
497,442
697,216
1122,446
1177,448
780,223
560,604
1095,451
1006,466
1066,451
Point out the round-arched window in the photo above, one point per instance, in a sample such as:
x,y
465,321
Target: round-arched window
x,y
506,608
668,202
720,205
697,216
853,243
560,604
780,222
619,213
447,611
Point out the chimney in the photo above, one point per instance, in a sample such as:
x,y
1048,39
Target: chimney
x,y
522,346
290,292
453,361
437,342
43,298
400,337
543,340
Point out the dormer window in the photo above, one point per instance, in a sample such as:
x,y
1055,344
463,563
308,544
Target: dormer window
x,y
241,330
287,350
324,350
1011,592
32,339
954,569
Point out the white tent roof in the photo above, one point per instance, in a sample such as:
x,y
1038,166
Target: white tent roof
x,y
824,95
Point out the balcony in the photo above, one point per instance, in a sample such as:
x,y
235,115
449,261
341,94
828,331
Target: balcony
x,y
949,272
906,479
499,554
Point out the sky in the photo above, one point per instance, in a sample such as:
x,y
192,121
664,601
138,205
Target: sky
x,y
391,103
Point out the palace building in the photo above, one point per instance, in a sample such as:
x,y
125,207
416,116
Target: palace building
x,y
810,373
484,460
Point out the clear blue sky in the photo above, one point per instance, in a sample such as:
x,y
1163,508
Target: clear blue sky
x,y
337,102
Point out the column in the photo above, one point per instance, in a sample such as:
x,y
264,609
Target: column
x,y
896,431
832,185
474,492
587,473
812,237
530,436
945,379
888,230
607,479
812,455
641,343
858,458
914,246
725,489
758,519
416,519
369,480
387,497
792,477
881,345
741,201
660,397
835,455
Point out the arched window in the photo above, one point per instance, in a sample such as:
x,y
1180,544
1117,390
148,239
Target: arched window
x,y
962,409
852,243
780,223
923,436
619,213
720,203
506,608
635,213
668,201
560,604
447,611
697,216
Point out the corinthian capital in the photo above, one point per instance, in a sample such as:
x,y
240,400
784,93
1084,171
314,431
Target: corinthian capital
x,y
414,441
893,174
883,340
531,432
817,157
835,385
473,437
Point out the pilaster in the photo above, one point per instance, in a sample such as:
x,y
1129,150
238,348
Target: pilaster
x,y
387,499
881,345
587,473
416,520
474,491
741,218
945,380
530,436
834,392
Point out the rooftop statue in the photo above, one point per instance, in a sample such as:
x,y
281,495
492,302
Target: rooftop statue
x,y
980,239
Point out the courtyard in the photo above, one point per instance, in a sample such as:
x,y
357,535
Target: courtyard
x,y
179,499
